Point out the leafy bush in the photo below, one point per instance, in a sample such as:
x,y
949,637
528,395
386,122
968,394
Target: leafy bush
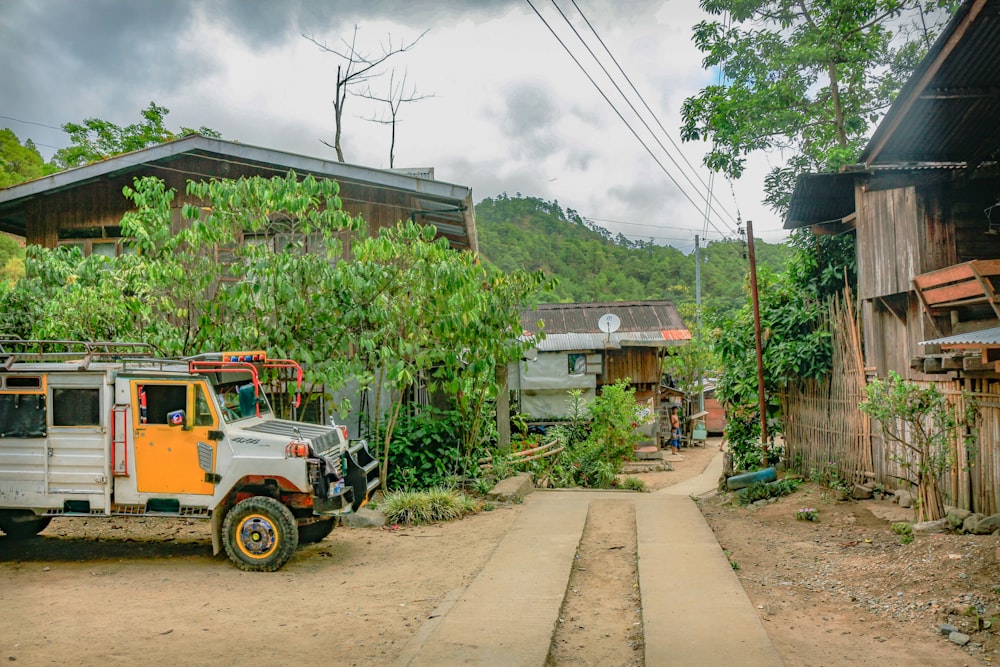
x,y
632,484
765,490
595,460
432,505
425,450
904,530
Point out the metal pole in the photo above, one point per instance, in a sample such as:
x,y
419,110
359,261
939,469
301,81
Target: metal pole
x,y
756,329
697,317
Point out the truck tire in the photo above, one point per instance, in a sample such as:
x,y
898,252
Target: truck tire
x,y
23,525
259,534
316,531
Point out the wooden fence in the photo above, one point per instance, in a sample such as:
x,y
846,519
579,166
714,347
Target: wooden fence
x,y
824,429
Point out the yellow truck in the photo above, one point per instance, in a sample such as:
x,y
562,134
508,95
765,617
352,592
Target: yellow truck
x,y
110,429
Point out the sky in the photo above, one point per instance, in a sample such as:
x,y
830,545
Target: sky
x,y
506,109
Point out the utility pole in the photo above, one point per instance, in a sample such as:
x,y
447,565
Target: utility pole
x,y
756,329
697,317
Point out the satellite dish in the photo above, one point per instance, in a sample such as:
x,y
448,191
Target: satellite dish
x,y
609,323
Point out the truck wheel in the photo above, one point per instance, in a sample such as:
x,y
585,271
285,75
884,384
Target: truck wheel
x,y
259,534
316,531
23,525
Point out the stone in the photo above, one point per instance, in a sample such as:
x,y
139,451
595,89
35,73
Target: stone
x,y
947,628
513,489
365,517
987,525
929,527
956,517
862,492
904,498
959,638
970,523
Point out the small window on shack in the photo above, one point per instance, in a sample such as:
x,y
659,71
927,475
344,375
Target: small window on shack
x,y
577,364
76,406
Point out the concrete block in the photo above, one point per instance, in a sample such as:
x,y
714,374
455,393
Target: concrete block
x,y
513,489
365,517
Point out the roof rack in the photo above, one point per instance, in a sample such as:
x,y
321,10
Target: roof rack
x,y
82,352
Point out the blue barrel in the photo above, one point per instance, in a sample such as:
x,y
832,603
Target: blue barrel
x,y
748,478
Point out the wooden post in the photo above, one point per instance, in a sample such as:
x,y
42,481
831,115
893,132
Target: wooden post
x,y
503,408
756,329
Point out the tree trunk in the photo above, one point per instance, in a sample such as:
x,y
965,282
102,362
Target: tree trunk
x,y
931,504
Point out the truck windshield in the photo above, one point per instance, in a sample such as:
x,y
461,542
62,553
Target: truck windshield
x,y
237,401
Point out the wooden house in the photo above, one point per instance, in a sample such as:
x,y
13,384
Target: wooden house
x,y
84,206
577,352
924,206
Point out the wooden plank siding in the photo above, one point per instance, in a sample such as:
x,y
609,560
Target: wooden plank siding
x,y
640,364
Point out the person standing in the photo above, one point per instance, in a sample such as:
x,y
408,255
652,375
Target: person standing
x,y
675,431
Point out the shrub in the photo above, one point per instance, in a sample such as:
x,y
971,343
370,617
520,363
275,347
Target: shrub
x,y
764,490
426,450
418,507
631,484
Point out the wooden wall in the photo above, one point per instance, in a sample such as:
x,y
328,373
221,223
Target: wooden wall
x,y
640,364
892,334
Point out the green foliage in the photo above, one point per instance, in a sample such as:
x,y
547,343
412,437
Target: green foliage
x,y
689,363
806,75
807,514
921,429
421,507
904,530
765,490
425,450
11,260
632,484
19,162
95,139
595,460
829,476
536,235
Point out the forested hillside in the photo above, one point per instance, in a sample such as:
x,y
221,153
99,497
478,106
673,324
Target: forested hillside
x,y
593,265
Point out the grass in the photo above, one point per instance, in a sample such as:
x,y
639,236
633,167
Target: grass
x,y
431,506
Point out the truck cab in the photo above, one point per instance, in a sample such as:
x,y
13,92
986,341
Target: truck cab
x,y
111,429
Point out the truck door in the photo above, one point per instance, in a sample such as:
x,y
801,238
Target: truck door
x,y
173,453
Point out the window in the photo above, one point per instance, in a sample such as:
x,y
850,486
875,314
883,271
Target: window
x,y
202,411
577,364
22,416
156,401
23,382
76,407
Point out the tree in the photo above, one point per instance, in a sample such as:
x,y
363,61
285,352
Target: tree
x,y
394,99
358,68
19,162
921,428
96,139
804,76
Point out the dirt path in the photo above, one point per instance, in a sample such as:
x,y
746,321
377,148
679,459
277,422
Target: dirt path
x,y
147,591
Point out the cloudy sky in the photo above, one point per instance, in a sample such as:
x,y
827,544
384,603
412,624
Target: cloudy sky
x,y
510,110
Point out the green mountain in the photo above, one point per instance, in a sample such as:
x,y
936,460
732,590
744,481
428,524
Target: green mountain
x,y
592,264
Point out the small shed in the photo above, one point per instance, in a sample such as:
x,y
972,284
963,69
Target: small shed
x,y
576,353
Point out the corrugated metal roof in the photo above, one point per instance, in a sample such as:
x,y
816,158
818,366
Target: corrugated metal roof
x,y
948,109
986,338
635,316
819,198
568,342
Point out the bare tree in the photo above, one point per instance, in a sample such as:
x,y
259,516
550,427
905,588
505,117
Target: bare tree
x,y
396,97
357,68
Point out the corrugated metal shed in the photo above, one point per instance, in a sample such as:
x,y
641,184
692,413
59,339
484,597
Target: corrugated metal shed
x,y
948,110
984,338
573,326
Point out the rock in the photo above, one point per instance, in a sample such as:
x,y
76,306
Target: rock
x,y
904,498
959,638
365,517
929,527
956,517
513,489
970,523
947,628
987,525
862,492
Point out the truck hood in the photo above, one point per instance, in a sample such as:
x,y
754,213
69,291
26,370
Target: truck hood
x,y
325,440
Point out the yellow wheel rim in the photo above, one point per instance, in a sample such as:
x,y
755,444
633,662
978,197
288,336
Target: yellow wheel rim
x,y
257,537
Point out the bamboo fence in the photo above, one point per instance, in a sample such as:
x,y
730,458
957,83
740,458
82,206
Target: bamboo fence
x,y
824,428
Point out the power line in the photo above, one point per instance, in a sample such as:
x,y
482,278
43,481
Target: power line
x,y
615,109
31,122
650,110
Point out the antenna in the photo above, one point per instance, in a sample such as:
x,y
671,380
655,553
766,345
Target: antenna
x,y
609,323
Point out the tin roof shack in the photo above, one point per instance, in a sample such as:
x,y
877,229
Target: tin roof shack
x,y
577,354
923,204
84,206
